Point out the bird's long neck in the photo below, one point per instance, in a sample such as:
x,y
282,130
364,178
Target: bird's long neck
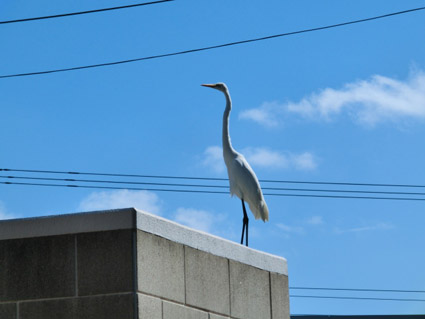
x,y
227,145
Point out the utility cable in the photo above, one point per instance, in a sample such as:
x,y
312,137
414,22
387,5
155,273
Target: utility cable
x,y
211,192
356,298
208,178
213,46
83,12
358,289
206,186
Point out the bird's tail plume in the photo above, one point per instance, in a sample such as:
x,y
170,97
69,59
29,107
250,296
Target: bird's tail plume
x,y
260,211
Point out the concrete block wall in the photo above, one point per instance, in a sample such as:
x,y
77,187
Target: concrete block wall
x,y
129,264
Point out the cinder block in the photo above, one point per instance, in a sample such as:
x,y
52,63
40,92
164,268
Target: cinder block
x,y
207,281
280,296
8,311
160,265
176,311
105,307
128,264
249,292
149,307
105,262
28,267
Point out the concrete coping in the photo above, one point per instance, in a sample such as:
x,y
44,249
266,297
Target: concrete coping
x,y
132,218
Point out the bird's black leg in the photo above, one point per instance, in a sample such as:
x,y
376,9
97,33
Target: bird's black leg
x,y
246,238
243,229
245,224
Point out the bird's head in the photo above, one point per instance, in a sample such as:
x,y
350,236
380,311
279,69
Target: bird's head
x,y
218,86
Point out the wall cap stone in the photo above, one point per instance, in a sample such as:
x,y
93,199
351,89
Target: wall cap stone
x,y
132,218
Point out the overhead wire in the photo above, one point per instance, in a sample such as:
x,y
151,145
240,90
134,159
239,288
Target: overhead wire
x,y
362,290
357,298
204,185
62,15
209,191
357,289
213,46
111,174
206,178
200,188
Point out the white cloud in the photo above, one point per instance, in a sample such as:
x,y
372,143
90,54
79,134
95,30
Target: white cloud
x,y
290,229
3,213
213,158
262,157
265,114
265,157
368,102
304,161
197,219
378,226
143,200
315,220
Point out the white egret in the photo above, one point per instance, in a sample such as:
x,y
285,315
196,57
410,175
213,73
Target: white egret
x,y
243,181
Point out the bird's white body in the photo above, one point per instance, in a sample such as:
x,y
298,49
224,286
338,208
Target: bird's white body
x,y
244,184
243,181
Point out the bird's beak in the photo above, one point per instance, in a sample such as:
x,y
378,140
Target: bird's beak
x,y
208,85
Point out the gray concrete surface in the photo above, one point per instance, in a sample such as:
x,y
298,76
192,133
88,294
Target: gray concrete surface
x,y
68,224
8,310
129,264
279,296
211,244
249,291
207,281
175,311
131,218
28,267
105,255
160,265
149,307
104,307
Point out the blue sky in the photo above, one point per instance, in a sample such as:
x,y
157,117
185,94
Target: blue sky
x,y
340,105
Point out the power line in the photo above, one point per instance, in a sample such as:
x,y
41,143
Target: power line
x,y
83,12
358,289
205,186
207,178
356,298
112,174
212,47
209,191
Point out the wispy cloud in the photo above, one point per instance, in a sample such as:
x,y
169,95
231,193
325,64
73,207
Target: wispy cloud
x,y
265,157
3,212
265,114
198,219
368,102
143,200
213,158
375,227
262,157
315,220
290,229
304,162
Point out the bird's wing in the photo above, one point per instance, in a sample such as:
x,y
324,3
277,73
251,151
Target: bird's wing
x,y
245,185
